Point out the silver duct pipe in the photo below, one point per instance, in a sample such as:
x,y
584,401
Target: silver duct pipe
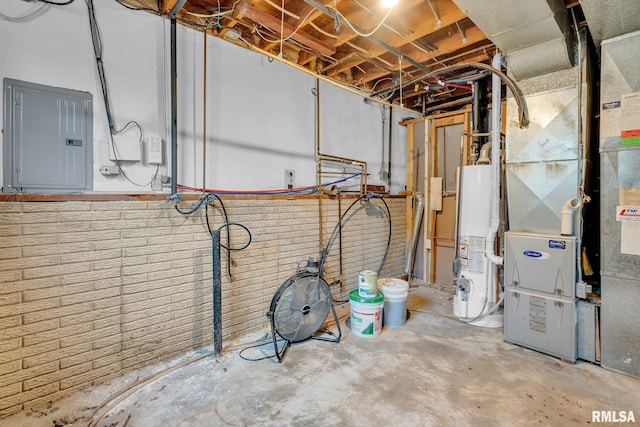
x,y
413,240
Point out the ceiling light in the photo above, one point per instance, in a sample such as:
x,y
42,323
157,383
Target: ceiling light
x,y
388,4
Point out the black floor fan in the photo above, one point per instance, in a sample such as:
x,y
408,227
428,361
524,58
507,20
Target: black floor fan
x,y
299,308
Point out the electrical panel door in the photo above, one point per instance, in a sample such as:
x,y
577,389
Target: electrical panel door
x,y
48,139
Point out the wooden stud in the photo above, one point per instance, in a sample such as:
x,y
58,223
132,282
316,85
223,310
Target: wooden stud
x,y
273,23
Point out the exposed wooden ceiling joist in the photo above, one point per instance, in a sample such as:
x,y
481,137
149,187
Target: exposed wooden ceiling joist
x,y
271,22
417,36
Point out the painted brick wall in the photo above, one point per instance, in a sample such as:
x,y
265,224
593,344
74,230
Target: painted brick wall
x,y
92,290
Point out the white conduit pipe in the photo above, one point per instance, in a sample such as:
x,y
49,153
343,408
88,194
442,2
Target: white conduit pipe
x,y
568,209
496,126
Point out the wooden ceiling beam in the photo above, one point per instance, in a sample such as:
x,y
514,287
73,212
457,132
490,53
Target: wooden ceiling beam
x,y
445,46
275,24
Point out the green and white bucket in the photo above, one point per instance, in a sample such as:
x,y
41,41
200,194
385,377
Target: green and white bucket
x,y
366,314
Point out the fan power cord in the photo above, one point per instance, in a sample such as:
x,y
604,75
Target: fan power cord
x,y
266,341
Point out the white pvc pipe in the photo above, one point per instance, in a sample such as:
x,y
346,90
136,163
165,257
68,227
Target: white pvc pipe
x,y
566,216
496,126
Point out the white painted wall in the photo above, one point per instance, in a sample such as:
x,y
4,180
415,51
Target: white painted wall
x,y
260,113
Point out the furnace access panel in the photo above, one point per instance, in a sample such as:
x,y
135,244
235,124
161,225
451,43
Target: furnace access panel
x,y
540,303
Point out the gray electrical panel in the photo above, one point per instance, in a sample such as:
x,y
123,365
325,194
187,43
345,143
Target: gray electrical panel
x,y
540,303
48,139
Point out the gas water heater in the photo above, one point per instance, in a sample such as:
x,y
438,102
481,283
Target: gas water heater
x,y
475,288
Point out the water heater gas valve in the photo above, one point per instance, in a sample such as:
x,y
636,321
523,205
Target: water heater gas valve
x,y
463,286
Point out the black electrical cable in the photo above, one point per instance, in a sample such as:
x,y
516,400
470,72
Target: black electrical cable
x,y
241,248
68,2
195,207
327,248
267,341
97,50
209,198
386,251
146,9
226,222
96,39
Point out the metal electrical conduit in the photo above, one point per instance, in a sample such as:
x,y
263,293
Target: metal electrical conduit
x,y
174,96
523,113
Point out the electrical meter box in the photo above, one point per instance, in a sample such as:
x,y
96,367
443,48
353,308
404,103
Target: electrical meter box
x,y
48,139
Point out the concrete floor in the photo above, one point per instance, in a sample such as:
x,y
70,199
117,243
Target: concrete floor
x,y
434,371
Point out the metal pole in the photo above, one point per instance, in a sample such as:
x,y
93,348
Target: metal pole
x,y
217,293
319,169
204,111
389,150
174,108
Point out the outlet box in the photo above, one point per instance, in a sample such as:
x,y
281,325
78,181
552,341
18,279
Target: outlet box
x,y
109,170
289,178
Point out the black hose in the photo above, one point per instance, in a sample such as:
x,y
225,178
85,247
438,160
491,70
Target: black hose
x,y
198,204
195,207
386,251
226,221
339,225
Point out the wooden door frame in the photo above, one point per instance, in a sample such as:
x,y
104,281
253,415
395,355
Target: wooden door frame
x,y
431,147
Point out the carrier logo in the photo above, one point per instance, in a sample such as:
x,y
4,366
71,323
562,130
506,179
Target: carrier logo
x,y
613,417
536,254
611,105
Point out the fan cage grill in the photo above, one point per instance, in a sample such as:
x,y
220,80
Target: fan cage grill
x,y
301,306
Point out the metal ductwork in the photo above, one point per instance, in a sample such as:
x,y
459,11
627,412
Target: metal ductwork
x,y
611,18
532,34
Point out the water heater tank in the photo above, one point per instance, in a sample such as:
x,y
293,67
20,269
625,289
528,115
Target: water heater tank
x,y
474,290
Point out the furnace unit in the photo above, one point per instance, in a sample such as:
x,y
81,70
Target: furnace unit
x,y
540,301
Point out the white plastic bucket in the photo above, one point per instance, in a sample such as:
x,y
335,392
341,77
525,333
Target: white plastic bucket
x,y
395,293
367,284
366,314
